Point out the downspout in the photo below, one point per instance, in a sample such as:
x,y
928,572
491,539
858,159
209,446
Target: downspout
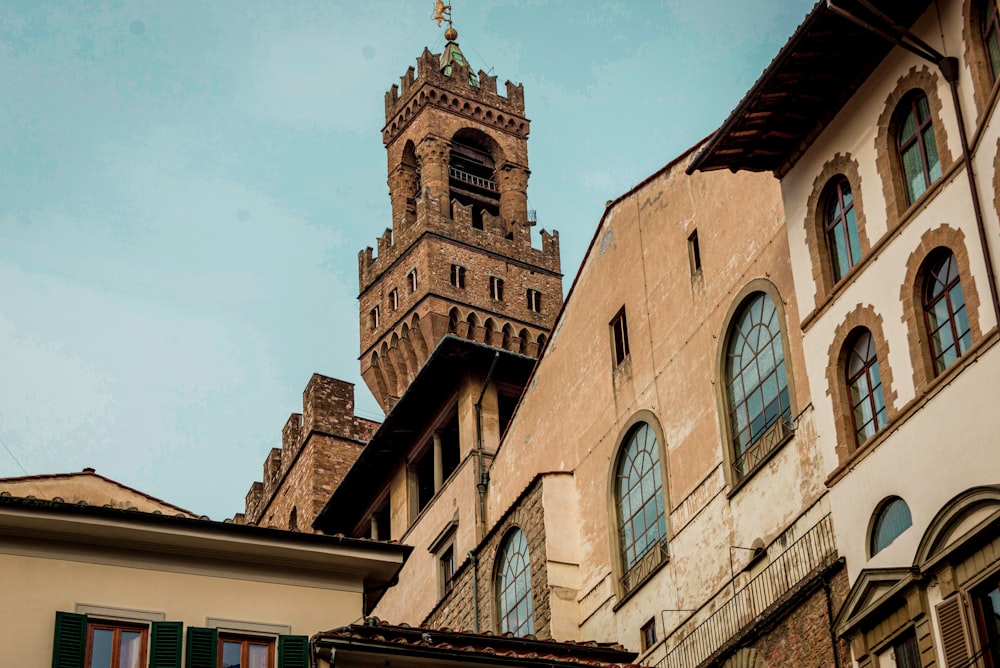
x,y
484,478
948,65
949,70
475,591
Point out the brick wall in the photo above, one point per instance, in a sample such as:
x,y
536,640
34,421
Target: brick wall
x,y
801,636
430,231
318,447
456,611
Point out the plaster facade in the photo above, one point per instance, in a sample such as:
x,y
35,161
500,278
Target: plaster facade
x,y
922,578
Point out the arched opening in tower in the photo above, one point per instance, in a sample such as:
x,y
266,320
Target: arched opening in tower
x,y
411,180
472,174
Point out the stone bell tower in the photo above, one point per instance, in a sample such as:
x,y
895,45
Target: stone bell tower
x,y
458,258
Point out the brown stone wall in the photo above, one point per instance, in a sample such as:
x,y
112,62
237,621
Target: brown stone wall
x,y
456,610
802,636
431,231
318,448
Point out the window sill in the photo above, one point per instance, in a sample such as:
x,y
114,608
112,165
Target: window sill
x,y
780,445
823,304
924,395
624,598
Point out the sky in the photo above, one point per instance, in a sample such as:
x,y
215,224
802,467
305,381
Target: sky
x,y
185,186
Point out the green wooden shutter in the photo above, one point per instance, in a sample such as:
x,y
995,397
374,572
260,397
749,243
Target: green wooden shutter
x,y
293,651
70,641
165,648
202,645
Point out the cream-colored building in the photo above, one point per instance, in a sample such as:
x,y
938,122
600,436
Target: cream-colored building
x,y
654,479
887,144
113,585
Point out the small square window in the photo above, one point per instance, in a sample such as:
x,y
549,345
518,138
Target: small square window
x,y
694,253
458,276
412,280
394,299
446,570
496,288
534,300
373,317
648,633
619,337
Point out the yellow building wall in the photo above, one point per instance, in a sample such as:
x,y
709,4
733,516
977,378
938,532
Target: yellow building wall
x,y
34,588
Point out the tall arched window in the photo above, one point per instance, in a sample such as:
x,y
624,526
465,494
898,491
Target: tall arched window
x,y
513,586
917,147
756,384
891,519
841,228
864,383
944,310
990,27
642,523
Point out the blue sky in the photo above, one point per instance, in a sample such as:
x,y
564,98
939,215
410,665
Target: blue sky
x,y
185,186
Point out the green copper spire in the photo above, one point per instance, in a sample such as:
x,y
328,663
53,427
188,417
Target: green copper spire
x,y
453,55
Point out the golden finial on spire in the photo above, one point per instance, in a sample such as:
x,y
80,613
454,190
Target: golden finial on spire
x,y
442,12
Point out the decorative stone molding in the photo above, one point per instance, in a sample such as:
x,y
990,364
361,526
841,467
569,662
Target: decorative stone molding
x,y
975,55
815,221
953,239
887,158
862,317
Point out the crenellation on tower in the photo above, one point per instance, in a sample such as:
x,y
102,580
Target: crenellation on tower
x,y
318,446
458,256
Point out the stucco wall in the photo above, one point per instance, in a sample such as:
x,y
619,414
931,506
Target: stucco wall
x,y
579,405
939,438
36,587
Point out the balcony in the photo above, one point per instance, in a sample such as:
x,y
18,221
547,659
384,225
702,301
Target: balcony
x,y
704,633
473,180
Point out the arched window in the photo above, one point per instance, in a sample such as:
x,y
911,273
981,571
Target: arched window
x,y
293,519
513,585
864,383
891,519
990,27
756,384
642,523
453,318
944,310
841,228
917,148
490,327
508,334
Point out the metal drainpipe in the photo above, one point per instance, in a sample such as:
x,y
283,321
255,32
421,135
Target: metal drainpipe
x,y
475,591
948,65
483,478
949,70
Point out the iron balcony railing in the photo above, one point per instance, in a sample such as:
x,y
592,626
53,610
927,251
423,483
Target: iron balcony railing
x,y
647,563
765,444
472,179
699,637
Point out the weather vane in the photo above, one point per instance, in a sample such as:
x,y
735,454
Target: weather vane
x,y
442,12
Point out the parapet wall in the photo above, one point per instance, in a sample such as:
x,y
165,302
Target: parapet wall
x,y
328,419
428,85
492,238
